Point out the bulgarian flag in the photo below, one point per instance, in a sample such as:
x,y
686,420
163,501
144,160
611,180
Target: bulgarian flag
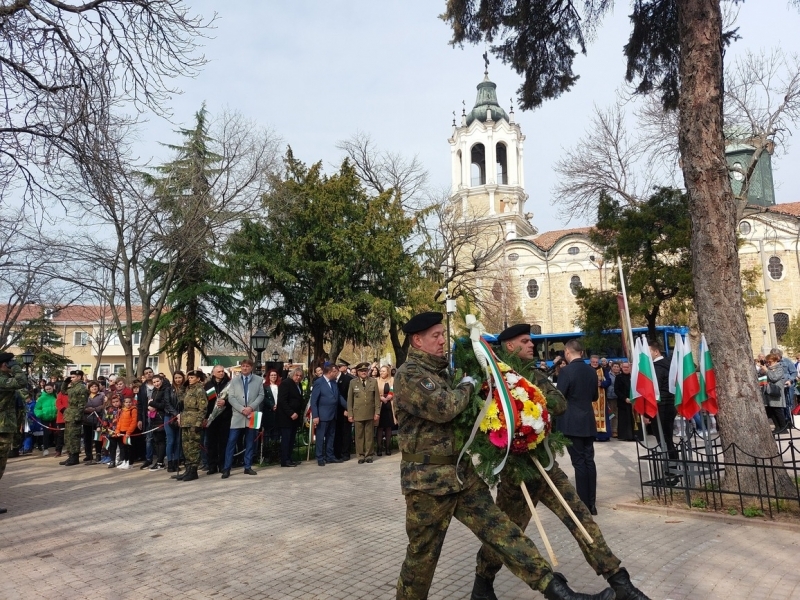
x,y
683,381
254,422
644,390
707,396
128,440
96,436
106,442
211,394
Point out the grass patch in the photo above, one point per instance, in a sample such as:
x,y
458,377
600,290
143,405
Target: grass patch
x,y
699,503
752,512
732,511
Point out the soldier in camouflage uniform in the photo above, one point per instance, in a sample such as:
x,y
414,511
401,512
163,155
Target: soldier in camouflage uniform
x,y
76,391
191,420
12,379
436,490
516,340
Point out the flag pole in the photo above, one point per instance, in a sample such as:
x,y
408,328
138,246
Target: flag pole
x,y
630,349
539,526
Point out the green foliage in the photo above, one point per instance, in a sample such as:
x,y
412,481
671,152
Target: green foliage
x,y
791,339
519,467
653,241
598,311
732,511
39,335
752,511
699,503
331,258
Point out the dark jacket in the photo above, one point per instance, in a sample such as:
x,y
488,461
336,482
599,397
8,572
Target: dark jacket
x,y
141,404
94,409
227,412
165,402
578,382
290,400
622,386
662,377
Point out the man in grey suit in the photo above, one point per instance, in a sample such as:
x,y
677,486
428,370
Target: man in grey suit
x,y
245,395
578,382
325,398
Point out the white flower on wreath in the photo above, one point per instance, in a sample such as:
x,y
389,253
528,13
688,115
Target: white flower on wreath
x,y
512,378
520,394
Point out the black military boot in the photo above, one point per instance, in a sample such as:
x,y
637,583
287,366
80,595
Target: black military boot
x,y
559,590
483,589
620,582
72,460
190,475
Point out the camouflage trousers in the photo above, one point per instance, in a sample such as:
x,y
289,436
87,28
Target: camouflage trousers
x,y
5,449
512,502
73,434
190,437
427,520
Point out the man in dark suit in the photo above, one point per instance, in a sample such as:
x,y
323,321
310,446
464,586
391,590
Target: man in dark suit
x,y
325,398
578,383
666,405
344,429
289,413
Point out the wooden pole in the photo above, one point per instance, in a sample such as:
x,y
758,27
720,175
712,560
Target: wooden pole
x,y
539,526
561,499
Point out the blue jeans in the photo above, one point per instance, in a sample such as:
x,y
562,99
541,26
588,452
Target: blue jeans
x,y
249,438
326,431
173,433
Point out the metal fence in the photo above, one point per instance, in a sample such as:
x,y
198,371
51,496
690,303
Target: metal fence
x,y
696,475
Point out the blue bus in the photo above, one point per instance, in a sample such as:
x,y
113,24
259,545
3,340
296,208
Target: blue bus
x,y
549,345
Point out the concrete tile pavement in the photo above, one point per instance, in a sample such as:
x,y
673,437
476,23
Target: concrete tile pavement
x,y
333,532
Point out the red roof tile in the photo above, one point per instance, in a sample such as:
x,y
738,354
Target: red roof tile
x,y
787,208
548,239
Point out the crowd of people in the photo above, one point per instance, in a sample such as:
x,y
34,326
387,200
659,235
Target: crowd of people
x,y
208,423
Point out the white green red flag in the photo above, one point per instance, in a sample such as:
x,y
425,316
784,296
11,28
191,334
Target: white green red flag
x,y
254,422
707,396
683,380
644,389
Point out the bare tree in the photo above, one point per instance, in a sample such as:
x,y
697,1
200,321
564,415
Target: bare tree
x,y
380,170
762,106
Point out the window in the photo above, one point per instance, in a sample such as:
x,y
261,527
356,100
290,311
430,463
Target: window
x,y
536,329
152,362
478,164
513,257
113,339
738,175
775,268
781,324
80,338
575,285
502,164
497,291
118,367
574,250
745,228
136,338
104,370
533,288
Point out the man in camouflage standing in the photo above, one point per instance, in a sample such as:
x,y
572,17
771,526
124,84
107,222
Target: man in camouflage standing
x,y
436,490
516,341
12,379
77,393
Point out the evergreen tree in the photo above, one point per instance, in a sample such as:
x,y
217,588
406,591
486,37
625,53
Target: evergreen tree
x,y
40,337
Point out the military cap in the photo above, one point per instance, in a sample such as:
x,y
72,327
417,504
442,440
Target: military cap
x,y
340,362
362,366
510,333
422,321
5,357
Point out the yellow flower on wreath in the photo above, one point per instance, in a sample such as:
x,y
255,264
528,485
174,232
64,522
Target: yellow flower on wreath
x,y
491,421
532,409
504,368
520,394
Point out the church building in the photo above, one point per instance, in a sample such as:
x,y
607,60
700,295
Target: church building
x,y
539,273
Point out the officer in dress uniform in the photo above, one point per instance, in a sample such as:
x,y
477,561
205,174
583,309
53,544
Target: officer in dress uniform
x,y
516,342
436,489
363,409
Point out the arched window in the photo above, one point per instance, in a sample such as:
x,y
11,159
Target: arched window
x,y
460,168
502,164
745,228
478,164
572,251
536,329
781,325
514,256
497,291
575,285
533,288
775,268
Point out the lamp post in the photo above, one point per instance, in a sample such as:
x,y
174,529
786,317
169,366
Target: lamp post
x,y
275,357
258,341
27,360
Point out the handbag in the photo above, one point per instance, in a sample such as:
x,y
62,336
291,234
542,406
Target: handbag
x,y
774,390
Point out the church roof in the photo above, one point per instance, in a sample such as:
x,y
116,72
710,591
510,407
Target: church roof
x,y
548,239
485,101
788,208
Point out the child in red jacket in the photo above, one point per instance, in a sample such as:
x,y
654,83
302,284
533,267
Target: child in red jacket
x,y
126,425
61,405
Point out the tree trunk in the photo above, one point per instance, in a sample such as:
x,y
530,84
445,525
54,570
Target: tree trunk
x,y
715,258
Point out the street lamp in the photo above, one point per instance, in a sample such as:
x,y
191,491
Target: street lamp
x,y
259,343
275,356
27,360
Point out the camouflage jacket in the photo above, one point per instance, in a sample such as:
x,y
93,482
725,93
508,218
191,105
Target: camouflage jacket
x,y
9,384
426,404
195,402
556,403
78,396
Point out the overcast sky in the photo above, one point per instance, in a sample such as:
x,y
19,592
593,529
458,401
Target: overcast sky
x,y
317,72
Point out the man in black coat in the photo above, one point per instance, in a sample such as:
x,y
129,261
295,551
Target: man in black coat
x,y
344,429
217,432
578,383
666,406
289,414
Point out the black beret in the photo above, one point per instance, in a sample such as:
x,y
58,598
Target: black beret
x,y
514,331
5,357
362,366
422,321
340,362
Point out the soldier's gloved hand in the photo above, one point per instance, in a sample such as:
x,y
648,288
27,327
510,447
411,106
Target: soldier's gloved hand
x,y
468,380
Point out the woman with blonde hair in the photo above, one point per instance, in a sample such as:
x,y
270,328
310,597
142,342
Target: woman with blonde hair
x,y
387,418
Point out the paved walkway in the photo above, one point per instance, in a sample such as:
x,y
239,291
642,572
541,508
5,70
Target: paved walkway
x,y
333,532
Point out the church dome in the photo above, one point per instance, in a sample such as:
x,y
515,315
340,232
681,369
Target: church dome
x,y
486,101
